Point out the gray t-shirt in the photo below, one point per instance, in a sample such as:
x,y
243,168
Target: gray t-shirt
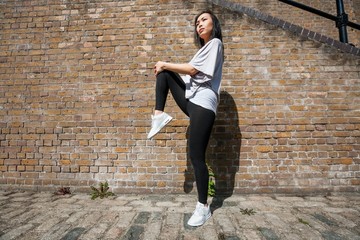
x,y
203,88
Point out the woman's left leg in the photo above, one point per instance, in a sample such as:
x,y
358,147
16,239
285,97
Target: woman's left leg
x,y
201,123
165,81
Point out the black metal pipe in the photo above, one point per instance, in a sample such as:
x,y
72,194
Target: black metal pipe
x,y
342,21
354,25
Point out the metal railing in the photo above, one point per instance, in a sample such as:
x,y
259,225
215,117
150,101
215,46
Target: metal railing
x,y
341,19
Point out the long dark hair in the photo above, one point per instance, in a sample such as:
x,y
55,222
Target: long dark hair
x,y
216,32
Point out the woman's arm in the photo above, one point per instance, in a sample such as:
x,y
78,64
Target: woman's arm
x,y
182,68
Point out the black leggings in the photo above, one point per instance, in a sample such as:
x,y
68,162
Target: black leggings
x,y
201,123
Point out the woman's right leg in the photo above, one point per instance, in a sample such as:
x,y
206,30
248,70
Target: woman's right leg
x,y
201,123
165,81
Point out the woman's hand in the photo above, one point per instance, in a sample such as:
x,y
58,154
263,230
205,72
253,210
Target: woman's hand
x,y
159,67
183,68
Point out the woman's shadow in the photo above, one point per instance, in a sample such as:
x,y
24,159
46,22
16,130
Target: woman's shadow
x,y
223,153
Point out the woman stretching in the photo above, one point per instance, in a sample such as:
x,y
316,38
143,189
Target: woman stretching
x,y
197,95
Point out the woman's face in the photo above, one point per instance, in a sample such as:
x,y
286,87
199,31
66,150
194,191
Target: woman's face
x,y
204,26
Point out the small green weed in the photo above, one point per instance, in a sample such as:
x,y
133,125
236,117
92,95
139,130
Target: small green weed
x,y
303,221
247,211
221,236
211,188
101,192
63,191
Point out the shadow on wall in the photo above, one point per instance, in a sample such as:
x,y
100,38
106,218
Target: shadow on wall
x,y
223,153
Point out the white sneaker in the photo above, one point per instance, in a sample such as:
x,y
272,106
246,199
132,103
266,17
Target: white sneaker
x,y
200,215
158,122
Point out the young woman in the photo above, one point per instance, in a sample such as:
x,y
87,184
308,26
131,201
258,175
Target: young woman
x,y
197,95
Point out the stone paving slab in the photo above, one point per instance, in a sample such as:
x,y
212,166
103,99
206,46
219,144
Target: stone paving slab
x,y
33,215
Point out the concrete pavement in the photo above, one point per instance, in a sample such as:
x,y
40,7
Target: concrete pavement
x,y
31,215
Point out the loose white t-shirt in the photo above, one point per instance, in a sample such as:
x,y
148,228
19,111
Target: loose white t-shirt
x,y
203,88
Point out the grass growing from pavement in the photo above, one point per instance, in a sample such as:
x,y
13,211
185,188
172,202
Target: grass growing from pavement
x,y
211,188
303,221
101,192
247,211
63,191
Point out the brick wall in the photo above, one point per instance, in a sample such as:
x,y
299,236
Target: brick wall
x,y
76,94
309,20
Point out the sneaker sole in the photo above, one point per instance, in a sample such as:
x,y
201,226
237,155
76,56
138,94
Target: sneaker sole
x,y
167,120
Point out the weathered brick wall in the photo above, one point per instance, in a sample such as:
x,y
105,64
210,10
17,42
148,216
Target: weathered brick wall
x,y
77,91
356,5
309,20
